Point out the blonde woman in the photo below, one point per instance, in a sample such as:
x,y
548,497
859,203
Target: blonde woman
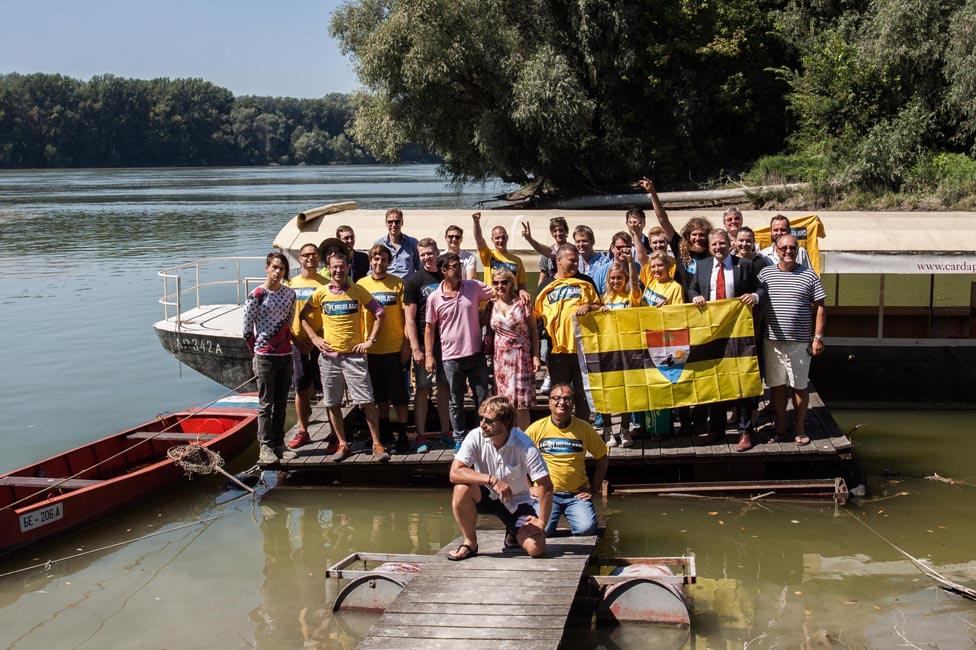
x,y
516,357
623,291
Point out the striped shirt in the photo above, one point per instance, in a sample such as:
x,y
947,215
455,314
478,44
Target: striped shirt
x,y
787,308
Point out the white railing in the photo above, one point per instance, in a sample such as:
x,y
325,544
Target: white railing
x,y
174,277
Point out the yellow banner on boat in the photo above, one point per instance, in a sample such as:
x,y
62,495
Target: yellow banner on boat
x,y
807,230
653,358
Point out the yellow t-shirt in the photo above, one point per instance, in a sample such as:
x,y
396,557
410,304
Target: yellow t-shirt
x,y
621,300
493,259
389,293
564,451
304,288
556,305
342,315
658,294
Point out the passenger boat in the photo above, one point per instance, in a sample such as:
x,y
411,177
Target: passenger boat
x,y
80,486
901,293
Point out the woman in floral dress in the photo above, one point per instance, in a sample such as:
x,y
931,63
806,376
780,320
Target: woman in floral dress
x,y
516,358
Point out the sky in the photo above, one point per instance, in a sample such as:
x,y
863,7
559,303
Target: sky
x,y
279,47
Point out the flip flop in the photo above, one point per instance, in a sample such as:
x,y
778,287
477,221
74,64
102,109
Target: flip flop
x,y
455,555
801,439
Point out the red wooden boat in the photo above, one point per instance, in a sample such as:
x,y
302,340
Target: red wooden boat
x,y
39,501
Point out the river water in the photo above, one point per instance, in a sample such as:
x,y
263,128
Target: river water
x,y
79,251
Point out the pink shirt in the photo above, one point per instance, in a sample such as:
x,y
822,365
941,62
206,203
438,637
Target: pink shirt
x,y
457,318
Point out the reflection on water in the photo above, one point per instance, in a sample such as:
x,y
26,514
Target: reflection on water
x,y
78,255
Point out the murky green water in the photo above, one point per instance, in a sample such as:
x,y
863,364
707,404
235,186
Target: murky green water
x,y
79,252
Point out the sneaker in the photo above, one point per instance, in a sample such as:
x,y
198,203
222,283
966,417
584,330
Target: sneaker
x,y
546,384
457,445
626,441
266,455
284,453
402,445
607,432
380,455
342,453
447,441
421,446
300,439
614,441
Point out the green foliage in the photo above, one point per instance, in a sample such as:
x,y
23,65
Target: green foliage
x,y
585,95
778,169
56,121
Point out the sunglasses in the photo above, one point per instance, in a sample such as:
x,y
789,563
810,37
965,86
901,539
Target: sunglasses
x,y
487,420
500,283
394,222
454,236
561,399
788,248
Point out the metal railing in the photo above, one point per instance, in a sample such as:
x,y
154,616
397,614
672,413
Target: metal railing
x,y
174,289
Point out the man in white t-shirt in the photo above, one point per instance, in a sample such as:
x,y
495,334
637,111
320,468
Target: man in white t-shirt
x,y
491,473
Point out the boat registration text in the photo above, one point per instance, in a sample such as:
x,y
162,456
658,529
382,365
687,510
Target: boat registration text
x,y
38,518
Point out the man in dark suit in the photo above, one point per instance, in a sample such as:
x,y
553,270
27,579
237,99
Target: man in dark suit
x,y
725,276
360,260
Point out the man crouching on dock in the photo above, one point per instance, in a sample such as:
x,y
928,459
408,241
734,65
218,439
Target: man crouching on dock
x,y
491,473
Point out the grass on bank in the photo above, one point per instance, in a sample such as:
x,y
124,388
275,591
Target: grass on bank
x,y
866,181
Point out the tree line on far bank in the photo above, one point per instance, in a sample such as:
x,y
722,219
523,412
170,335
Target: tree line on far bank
x,y
50,120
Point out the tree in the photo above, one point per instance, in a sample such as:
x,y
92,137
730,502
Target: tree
x,y
585,94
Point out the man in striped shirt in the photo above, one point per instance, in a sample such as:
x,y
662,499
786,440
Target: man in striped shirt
x,y
792,294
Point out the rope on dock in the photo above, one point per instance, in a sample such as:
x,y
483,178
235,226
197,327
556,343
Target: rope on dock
x,y
125,451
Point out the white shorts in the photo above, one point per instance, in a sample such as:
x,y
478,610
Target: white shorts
x,y
787,362
345,371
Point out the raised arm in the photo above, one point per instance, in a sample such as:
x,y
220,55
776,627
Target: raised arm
x,y
539,247
647,185
479,237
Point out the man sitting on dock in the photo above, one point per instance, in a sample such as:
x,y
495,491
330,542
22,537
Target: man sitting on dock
x,y
789,292
342,362
564,441
491,474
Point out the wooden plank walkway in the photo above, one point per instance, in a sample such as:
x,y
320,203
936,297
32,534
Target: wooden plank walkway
x,y
828,443
495,600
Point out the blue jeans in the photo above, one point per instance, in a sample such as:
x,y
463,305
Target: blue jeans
x,y
580,513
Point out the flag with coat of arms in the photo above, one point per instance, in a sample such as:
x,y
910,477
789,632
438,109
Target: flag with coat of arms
x,y
648,358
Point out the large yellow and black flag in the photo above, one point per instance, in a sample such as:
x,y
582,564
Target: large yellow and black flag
x,y
652,358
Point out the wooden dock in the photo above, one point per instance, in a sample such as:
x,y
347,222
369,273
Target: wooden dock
x,y
674,458
495,601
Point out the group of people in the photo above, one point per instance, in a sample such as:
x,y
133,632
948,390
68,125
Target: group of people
x,y
373,326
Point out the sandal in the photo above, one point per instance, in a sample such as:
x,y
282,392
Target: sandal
x,y
511,541
458,554
801,439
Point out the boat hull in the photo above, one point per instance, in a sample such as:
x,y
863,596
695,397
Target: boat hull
x,y
140,469
225,359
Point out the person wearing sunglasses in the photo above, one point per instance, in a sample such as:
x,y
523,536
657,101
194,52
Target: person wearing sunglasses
x,y
792,334
516,345
402,247
453,318
563,441
491,473
454,235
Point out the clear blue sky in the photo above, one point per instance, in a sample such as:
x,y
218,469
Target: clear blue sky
x,y
272,47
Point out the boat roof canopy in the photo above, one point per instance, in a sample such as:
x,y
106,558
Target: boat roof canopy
x,y
855,242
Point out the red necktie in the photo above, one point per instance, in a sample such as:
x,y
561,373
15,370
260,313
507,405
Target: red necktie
x,y
720,283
